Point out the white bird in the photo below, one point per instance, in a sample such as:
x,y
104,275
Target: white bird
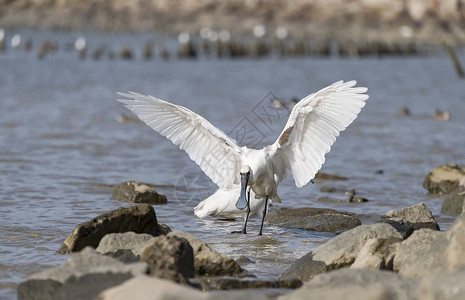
x,y
312,128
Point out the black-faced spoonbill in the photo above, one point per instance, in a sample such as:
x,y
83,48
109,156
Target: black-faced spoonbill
x,y
312,128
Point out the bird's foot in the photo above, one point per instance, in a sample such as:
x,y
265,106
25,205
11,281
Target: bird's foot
x,y
239,231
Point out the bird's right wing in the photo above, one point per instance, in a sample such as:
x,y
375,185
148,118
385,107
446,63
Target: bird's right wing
x,y
312,128
217,154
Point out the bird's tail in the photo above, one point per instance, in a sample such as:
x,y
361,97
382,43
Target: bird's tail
x,y
221,203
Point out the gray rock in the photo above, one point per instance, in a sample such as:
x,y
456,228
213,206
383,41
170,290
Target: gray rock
x,y
145,288
222,283
320,177
404,229
139,218
134,192
420,239
208,262
377,254
444,179
453,205
418,216
341,251
447,286
356,284
446,253
82,276
169,257
316,219
124,246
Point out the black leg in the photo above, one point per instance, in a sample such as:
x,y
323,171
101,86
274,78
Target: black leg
x,y
264,214
244,230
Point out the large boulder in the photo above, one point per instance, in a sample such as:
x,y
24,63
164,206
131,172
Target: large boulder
x,y
447,286
134,192
444,179
145,288
82,276
124,246
169,257
356,284
315,219
446,253
207,261
139,218
377,254
419,240
341,251
418,216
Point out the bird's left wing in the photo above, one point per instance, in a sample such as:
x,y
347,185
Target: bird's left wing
x,y
312,128
217,154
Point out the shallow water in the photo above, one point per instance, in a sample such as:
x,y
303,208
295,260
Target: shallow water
x,y
61,144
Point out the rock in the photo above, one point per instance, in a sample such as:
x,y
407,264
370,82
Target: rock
x,y
420,239
139,218
341,251
320,176
446,253
377,254
145,288
244,260
453,205
445,286
356,284
124,246
82,276
169,257
444,179
134,192
418,216
216,283
316,219
404,229
208,262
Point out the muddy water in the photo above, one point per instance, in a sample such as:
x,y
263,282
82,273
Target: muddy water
x,y
61,146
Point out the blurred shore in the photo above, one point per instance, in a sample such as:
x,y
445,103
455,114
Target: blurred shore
x,y
426,22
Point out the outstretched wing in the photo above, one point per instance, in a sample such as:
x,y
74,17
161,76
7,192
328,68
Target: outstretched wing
x,y
312,128
217,155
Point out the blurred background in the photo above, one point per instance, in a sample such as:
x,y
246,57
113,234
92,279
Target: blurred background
x,y
65,141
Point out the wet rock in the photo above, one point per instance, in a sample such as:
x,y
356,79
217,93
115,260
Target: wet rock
x,y
208,262
244,260
124,246
446,253
315,219
215,283
356,284
82,276
139,218
341,251
169,257
418,216
377,254
320,176
420,239
144,288
444,179
453,205
134,192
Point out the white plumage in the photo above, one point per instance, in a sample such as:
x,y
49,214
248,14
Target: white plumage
x,y
312,128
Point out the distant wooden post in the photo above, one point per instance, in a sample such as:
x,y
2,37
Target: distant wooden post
x,y
454,59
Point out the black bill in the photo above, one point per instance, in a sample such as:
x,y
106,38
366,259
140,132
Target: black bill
x,y
242,201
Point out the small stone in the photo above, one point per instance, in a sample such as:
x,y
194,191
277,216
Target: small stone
x,y
444,179
134,192
418,216
124,246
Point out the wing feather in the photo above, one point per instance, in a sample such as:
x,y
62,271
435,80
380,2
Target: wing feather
x,y
217,154
312,128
